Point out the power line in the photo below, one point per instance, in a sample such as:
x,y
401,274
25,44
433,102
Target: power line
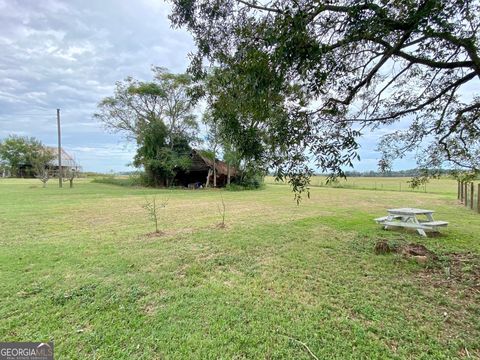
x,y
15,115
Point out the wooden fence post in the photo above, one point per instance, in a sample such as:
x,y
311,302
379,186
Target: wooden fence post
x,y
465,193
478,199
461,191
458,189
472,192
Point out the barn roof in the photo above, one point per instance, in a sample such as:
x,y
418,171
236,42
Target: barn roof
x,y
67,159
220,166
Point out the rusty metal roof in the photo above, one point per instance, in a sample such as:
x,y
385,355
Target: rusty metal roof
x,y
67,159
221,167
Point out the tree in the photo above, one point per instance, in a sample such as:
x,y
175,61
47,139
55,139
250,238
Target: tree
x,y
3,168
213,139
302,80
43,175
39,163
17,151
70,174
232,158
135,104
153,207
158,115
161,161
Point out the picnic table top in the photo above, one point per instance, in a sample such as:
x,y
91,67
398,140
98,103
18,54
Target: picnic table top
x,y
409,211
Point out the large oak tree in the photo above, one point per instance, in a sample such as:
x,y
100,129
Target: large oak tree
x,y
159,116
299,81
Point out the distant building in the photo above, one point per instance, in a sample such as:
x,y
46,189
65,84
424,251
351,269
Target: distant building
x,y
68,164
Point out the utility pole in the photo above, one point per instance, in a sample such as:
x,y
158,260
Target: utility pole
x,y
59,150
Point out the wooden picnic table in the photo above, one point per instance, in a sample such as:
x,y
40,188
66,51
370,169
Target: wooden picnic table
x,y
408,218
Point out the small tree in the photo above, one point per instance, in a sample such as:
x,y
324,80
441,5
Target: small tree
x,y
153,208
70,174
222,211
43,175
39,161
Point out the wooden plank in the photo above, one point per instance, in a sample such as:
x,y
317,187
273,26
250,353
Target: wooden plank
x,y
406,225
385,218
409,211
435,223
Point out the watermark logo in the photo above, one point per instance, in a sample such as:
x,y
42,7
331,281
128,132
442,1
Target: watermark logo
x,y
26,351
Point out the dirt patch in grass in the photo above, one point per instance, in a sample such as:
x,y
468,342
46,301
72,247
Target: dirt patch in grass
x,y
150,309
449,270
155,234
455,270
167,235
454,279
412,250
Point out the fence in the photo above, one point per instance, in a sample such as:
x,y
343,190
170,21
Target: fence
x,y
434,186
469,194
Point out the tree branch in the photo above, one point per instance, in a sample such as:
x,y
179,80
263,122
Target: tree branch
x,y
423,61
372,73
259,7
457,83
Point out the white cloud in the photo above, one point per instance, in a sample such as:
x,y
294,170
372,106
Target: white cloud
x,y
68,55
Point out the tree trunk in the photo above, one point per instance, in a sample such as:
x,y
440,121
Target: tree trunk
x,y
214,162
214,174
228,173
207,184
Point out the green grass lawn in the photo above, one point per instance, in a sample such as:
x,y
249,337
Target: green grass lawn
x,y
78,267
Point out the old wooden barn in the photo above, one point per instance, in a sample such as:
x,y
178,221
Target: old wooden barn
x,y
200,172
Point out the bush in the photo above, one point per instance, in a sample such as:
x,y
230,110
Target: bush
x,y
247,183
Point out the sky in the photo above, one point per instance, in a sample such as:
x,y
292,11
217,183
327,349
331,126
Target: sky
x,y
69,54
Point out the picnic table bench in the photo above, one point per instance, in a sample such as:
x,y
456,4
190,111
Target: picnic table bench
x,y
408,218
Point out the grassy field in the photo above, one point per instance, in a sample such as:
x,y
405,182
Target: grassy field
x,y
435,186
80,267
